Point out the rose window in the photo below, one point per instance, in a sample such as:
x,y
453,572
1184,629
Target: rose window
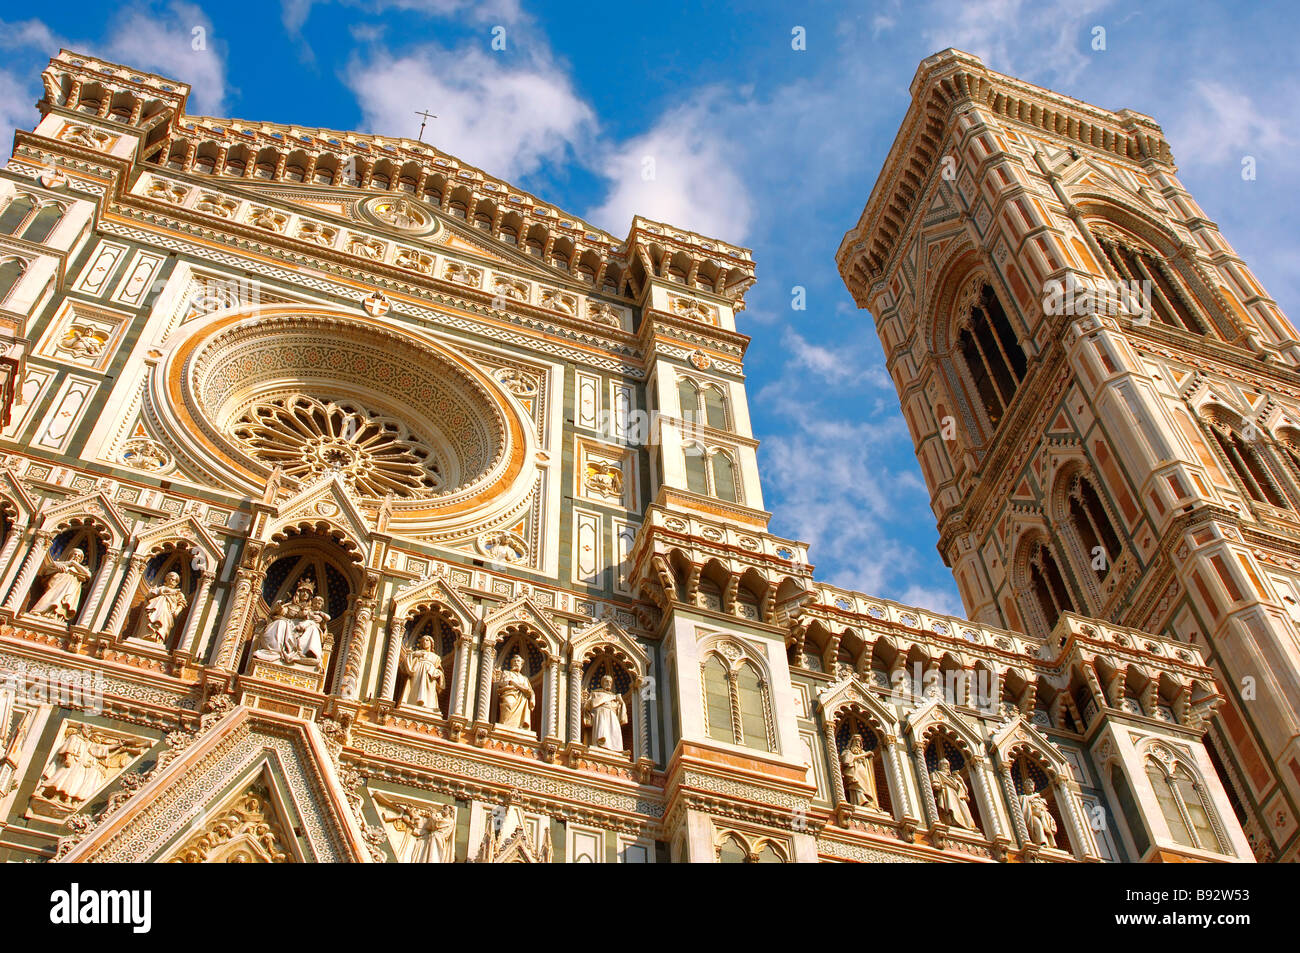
x,y
307,437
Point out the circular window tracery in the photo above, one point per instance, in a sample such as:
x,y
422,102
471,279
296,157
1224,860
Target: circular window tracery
x,y
307,437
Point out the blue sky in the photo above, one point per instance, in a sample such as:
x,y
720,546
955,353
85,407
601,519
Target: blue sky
x,y
754,142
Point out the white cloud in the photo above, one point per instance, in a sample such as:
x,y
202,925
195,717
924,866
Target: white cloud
x,y
682,171
507,118
178,42
1038,40
294,13
1225,124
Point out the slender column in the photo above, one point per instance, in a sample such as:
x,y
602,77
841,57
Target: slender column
x,y
358,641
1009,792
575,702
117,616
41,540
551,683
388,688
202,594
642,718
486,657
979,776
107,570
927,793
16,536
249,581
461,674
903,803
838,796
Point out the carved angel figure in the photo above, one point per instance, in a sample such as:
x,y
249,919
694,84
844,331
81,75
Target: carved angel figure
x,y
429,835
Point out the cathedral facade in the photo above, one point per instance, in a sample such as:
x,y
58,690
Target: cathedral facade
x,y
358,506
1104,400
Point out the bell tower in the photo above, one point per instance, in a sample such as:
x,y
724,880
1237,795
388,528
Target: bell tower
x,y
1104,400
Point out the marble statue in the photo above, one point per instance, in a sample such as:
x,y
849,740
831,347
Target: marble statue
x,y
81,765
516,696
165,604
605,712
859,779
951,796
1039,822
62,595
423,669
430,834
295,633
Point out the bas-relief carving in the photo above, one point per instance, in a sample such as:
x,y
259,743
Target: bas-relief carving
x,y
248,832
85,759
419,833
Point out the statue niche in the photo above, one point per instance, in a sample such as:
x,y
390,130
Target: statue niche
x,y
426,661
161,602
1036,801
950,781
304,607
66,574
518,684
862,763
606,725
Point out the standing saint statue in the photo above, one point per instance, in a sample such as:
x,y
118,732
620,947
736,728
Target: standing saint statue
x,y
62,595
1039,822
859,776
516,696
951,796
605,712
166,603
423,669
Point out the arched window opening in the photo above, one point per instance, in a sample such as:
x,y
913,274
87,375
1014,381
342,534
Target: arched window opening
x,y
1141,268
992,354
715,408
769,853
1048,585
1091,522
950,781
15,213
732,851
11,272
697,471
1035,791
1184,806
1247,462
46,220
737,706
724,478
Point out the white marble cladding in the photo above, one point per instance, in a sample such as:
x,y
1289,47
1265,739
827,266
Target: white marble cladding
x,y
789,551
